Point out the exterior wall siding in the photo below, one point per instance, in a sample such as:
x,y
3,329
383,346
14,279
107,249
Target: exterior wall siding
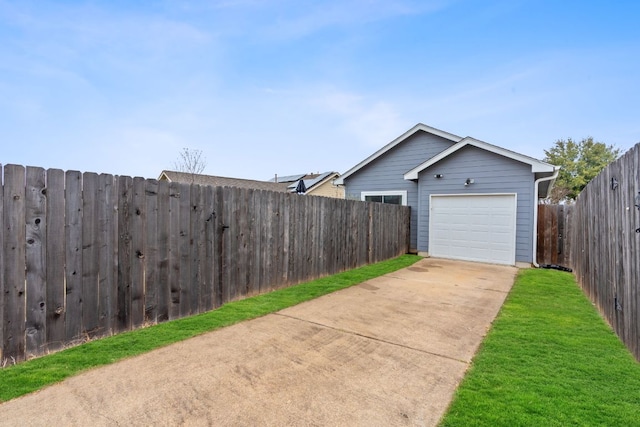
x,y
387,172
492,174
327,189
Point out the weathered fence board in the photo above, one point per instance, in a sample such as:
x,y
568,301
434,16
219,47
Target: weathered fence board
x,y
125,199
107,253
184,250
36,239
218,237
88,255
605,244
174,251
631,255
209,262
254,263
138,251
197,250
55,255
163,265
229,229
14,261
152,286
73,256
2,276
294,220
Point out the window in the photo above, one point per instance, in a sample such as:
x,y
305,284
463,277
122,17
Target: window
x,y
391,197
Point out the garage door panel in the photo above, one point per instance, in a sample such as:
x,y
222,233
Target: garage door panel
x,y
500,220
473,227
499,238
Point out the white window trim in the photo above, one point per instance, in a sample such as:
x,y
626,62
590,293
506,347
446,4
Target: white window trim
x,y
402,193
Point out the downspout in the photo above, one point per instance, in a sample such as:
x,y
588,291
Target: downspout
x,y
556,170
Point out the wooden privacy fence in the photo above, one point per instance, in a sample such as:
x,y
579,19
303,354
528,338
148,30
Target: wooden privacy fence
x,y
554,245
605,240
88,255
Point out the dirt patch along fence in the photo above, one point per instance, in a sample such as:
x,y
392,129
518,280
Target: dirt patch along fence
x,y
554,245
605,241
88,255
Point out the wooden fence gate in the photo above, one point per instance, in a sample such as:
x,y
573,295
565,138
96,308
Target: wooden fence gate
x,y
554,245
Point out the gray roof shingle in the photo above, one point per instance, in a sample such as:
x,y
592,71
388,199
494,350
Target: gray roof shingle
x,y
221,181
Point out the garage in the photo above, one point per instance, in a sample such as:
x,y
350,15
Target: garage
x,y
476,188
479,227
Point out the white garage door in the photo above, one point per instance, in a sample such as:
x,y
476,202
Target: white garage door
x,y
473,227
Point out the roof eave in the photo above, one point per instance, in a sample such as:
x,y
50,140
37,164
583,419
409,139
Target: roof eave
x,y
325,179
549,184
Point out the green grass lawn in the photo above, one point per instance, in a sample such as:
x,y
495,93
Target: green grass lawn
x,y
549,360
29,376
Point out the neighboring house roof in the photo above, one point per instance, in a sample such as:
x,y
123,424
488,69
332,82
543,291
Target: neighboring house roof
x,y
220,181
311,180
537,166
398,140
316,181
291,178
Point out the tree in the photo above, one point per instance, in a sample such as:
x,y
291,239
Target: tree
x,y
580,162
191,161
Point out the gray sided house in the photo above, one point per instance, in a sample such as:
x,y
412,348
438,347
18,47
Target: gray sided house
x,y
469,200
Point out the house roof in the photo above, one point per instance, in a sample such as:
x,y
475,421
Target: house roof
x,y
292,178
419,127
221,181
316,181
537,166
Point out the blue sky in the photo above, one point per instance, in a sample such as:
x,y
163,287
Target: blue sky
x,y
291,86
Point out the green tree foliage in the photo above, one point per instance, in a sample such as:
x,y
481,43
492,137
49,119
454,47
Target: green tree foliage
x,y
580,162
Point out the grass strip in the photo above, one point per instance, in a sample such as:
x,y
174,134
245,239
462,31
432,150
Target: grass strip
x,y
34,374
549,360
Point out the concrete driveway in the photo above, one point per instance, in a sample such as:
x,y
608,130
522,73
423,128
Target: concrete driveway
x,y
388,352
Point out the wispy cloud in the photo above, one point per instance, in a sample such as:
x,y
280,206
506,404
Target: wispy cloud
x,y
252,82
300,19
281,20
369,121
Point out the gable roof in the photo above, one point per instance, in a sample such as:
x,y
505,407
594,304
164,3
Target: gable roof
x,y
537,166
290,178
221,181
315,181
419,127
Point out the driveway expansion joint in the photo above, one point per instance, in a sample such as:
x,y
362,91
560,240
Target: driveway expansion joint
x,y
466,362
492,290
